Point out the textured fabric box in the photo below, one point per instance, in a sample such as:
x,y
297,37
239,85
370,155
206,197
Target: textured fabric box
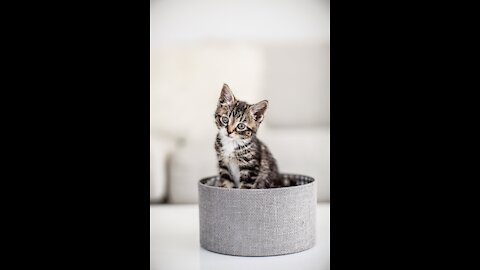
x,y
258,222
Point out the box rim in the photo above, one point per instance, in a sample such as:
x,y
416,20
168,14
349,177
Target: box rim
x,y
200,184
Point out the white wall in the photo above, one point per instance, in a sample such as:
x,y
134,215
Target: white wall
x,y
175,22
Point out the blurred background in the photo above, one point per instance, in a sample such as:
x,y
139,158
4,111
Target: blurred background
x,y
271,49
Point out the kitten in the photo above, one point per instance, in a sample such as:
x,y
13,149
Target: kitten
x,y
243,160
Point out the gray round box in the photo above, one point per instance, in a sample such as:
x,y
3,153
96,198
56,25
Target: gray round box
x,y
258,222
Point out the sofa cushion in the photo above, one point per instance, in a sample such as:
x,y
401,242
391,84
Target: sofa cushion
x,y
196,159
160,148
185,85
297,84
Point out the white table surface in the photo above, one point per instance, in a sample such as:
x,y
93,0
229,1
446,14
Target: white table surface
x,y
175,244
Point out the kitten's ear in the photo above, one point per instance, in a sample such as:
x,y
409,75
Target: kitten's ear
x,y
226,96
258,110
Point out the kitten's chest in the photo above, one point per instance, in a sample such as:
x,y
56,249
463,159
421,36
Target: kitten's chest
x,y
228,149
230,159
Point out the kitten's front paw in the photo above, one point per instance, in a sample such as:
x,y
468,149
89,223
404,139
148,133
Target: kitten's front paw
x,y
228,184
247,185
262,183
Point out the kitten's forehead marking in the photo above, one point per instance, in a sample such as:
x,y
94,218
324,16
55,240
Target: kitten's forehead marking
x,y
238,112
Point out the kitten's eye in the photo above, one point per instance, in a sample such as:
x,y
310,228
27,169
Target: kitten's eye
x,y
241,126
224,120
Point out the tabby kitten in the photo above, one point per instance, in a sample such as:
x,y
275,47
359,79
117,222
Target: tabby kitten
x,y
243,160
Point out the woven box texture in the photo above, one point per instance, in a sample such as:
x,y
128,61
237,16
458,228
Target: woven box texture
x,y
258,222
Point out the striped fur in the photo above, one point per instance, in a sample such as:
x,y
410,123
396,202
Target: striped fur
x,y
243,160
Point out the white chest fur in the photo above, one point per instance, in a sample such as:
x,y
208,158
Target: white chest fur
x,y
228,147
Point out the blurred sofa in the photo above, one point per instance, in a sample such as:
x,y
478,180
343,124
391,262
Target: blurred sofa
x,y
185,85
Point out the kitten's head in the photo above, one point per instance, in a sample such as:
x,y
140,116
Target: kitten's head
x,y
237,119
